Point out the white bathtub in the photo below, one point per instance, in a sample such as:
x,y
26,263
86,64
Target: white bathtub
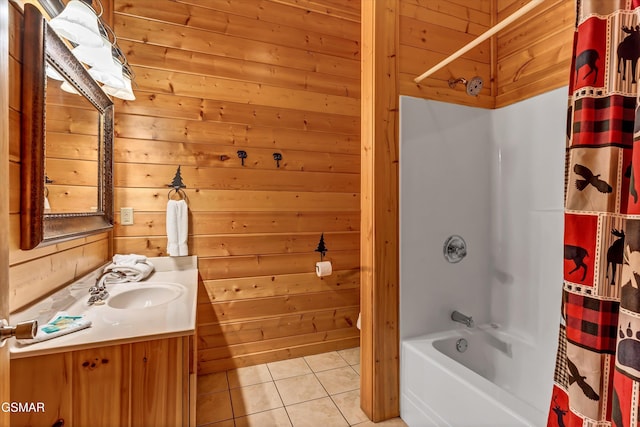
x,y
493,383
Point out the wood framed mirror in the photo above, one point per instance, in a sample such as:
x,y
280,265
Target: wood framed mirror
x,y
67,142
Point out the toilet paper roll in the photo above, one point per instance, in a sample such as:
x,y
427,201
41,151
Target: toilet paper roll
x,y
323,268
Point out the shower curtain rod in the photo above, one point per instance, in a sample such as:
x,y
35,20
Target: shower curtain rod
x,y
491,31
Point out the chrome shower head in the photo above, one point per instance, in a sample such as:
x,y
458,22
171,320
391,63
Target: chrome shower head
x,y
473,86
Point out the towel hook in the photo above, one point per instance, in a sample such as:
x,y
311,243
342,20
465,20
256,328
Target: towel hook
x,y
177,185
277,157
242,155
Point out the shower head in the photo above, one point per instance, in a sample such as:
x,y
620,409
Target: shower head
x,y
473,86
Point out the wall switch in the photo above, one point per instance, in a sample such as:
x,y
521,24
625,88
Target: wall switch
x,y
126,216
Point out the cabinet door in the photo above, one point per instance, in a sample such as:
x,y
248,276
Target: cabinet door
x,y
157,383
42,380
100,384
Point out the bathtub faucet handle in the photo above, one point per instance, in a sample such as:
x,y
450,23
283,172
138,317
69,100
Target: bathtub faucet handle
x,y
456,316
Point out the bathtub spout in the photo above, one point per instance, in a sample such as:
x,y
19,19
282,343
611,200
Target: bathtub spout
x,y
456,316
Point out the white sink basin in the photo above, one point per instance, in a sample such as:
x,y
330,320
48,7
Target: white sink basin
x,y
145,295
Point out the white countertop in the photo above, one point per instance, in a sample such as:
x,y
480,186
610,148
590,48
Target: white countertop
x,y
111,326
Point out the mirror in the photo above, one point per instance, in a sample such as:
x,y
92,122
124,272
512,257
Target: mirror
x,y
67,142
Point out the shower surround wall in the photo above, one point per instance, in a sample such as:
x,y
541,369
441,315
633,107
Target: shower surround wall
x,y
445,182
494,177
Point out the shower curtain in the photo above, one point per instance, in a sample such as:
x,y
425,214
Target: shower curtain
x,y
597,375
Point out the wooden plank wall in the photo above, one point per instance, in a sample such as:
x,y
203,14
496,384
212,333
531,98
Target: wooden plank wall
x,y
529,57
35,273
262,76
430,31
534,53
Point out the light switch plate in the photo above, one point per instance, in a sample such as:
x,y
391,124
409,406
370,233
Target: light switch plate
x,y
126,216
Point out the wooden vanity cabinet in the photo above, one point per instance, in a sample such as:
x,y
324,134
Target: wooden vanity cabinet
x,y
147,383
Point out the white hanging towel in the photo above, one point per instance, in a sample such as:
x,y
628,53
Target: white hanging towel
x,y
177,228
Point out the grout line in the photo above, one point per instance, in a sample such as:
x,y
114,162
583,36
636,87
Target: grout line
x,y
279,395
233,415
329,394
339,410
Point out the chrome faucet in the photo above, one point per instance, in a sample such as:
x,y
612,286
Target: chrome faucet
x,y
99,291
456,316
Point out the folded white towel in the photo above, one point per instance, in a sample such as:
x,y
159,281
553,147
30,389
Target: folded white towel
x,y
130,273
128,260
177,227
61,324
133,267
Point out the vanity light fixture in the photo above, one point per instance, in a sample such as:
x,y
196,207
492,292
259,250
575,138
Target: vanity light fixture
x,y
78,23
95,45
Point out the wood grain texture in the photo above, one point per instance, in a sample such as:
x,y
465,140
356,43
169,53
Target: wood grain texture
x,y
154,223
260,329
153,199
147,383
235,25
107,405
146,175
379,380
245,244
190,108
282,353
429,32
44,274
319,18
263,76
265,286
156,378
238,136
534,53
43,379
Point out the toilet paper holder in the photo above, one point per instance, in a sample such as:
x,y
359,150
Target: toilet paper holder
x,y
323,268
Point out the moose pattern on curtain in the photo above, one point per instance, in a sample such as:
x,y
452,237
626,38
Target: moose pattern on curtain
x,y
597,375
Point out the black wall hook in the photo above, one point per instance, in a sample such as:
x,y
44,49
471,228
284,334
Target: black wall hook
x,y
277,157
242,155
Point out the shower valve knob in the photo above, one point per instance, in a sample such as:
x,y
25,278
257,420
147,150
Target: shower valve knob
x,y
455,248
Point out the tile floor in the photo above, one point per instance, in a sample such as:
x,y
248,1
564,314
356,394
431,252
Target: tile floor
x,y
320,390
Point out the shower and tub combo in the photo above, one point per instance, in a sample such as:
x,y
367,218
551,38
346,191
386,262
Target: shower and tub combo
x,y
478,325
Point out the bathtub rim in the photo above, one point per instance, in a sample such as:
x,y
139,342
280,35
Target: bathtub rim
x,y
424,346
